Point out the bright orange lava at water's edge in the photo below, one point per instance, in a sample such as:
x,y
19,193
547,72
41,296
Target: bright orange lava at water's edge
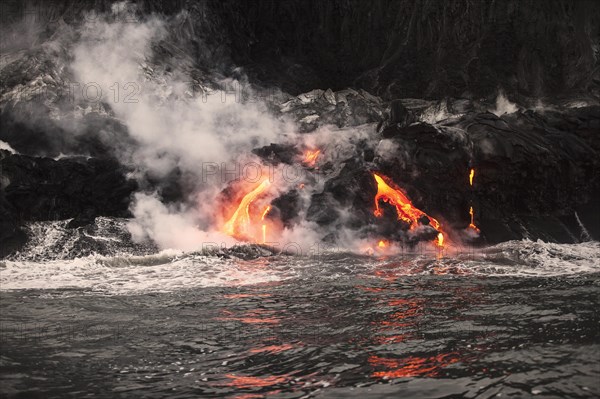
x,y
405,210
472,225
240,224
264,226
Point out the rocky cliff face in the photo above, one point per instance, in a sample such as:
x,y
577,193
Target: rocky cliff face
x,y
394,49
419,48
41,189
535,171
420,78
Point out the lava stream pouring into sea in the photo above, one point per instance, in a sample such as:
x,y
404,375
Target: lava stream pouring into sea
x,y
405,210
264,226
472,225
241,224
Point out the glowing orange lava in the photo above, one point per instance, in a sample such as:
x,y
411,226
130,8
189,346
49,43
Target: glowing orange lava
x,y
310,157
267,209
472,225
240,224
382,244
406,211
264,226
272,348
471,176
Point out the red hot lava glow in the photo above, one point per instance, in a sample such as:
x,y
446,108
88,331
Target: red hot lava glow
x,y
472,225
241,224
310,157
405,210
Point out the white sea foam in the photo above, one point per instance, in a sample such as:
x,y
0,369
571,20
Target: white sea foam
x,y
171,270
101,259
537,259
163,272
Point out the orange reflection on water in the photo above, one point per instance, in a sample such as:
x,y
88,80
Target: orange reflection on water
x,y
371,289
236,296
393,269
412,366
256,320
245,382
390,275
272,348
402,318
392,339
254,316
248,396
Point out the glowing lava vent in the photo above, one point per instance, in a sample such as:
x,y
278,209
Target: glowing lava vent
x,y
405,210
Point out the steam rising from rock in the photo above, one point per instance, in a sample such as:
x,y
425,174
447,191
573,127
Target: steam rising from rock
x,y
503,105
172,129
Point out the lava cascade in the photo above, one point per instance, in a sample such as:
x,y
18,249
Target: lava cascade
x,y
405,210
241,224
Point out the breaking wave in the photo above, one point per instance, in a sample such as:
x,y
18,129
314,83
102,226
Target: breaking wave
x,y
54,260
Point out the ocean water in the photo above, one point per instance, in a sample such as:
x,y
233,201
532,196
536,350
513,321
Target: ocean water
x,y
520,319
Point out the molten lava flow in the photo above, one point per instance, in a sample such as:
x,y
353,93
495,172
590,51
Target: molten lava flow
x,y
471,212
472,225
264,226
239,224
404,208
310,157
382,244
267,209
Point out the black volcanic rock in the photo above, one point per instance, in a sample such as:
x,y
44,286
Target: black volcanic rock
x,y
48,189
278,153
536,170
323,209
410,131
352,190
536,176
423,48
289,206
342,108
38,189
12,237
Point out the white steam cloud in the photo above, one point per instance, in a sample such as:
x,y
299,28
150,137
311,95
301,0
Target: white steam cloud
x,y
172,129
503,105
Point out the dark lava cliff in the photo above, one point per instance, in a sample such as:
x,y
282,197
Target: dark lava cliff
x,y
421,76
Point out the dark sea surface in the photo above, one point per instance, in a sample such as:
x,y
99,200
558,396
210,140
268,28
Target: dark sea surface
x,y
516,320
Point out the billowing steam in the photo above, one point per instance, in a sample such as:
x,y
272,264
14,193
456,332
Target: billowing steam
x,y
5,146
206,137
172,129
127,70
